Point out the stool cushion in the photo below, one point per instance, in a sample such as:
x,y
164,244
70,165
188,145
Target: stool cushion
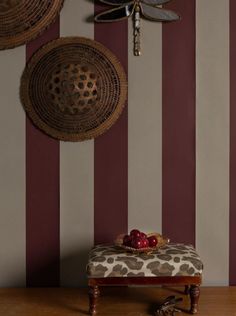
x,y
170,260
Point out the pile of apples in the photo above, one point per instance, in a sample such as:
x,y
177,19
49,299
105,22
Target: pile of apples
x,y
137,239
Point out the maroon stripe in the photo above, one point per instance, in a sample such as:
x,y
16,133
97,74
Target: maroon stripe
x,y
111,151
42,195
179,124
232,237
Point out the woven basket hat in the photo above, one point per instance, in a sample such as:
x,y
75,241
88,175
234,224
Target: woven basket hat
x,y
73,89
23,20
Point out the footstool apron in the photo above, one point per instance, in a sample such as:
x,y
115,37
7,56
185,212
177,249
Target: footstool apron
x,y
176,264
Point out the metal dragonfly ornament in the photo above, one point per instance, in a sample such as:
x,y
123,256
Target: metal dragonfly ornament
x,y
149,9
168,308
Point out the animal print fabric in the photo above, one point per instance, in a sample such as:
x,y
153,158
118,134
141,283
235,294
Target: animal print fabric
x,y
170,260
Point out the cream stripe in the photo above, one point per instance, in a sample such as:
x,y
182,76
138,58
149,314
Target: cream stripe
x,y
12,170
212,212
145,129
76,172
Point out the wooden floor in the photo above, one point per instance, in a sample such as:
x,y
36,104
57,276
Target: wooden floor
x,y
114,301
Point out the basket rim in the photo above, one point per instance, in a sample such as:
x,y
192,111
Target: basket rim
x,y
22,38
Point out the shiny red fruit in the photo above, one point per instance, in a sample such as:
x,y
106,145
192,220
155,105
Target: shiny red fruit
x,y
135,233
143,235
137,243
127,240
152,241
145,243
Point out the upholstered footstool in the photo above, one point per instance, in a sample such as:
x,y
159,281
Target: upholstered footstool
x,y
173,264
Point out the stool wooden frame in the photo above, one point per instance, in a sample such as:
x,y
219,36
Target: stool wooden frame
x,y
191,283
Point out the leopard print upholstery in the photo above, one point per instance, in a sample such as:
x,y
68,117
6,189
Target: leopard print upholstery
x,y
170,260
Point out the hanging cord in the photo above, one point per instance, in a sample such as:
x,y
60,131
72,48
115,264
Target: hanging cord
x,y
137,29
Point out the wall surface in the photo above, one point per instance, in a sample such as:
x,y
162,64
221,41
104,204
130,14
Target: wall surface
x,y
167,165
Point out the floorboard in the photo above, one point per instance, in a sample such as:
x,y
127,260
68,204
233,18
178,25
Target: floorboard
x,y
217,301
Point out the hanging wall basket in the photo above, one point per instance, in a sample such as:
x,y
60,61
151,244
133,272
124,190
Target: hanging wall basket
x,y
73,89
23,20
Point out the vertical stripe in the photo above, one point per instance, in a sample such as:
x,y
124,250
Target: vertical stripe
x,y
145,129
212,225
232,237
12,170
42,195
179,124
111,151
76,173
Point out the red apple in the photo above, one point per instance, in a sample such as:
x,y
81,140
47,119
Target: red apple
x,y
135,233
152,241
127,240
145,243
143,235
137,243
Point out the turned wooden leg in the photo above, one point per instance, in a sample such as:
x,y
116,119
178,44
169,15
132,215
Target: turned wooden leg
x,y
194,296
187,289
93,298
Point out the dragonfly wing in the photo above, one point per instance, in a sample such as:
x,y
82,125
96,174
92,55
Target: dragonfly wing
x,y
116,14
155,2
158,14
116,2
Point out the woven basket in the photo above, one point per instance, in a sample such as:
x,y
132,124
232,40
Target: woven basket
x,y
73,89
23,20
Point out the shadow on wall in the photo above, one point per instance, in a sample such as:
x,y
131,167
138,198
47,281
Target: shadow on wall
x,y
70,271
73,268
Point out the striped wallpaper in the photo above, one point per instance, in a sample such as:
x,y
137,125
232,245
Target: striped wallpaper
x,y
167,165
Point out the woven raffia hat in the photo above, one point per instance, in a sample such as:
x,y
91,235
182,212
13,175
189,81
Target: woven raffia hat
x,y
73,89
23,20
